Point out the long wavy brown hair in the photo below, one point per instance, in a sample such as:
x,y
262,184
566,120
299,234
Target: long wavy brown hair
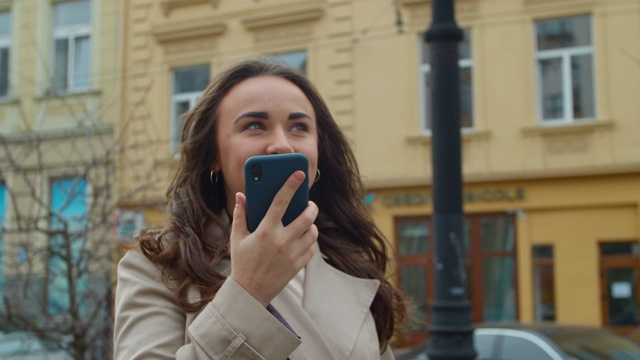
x,y
188,251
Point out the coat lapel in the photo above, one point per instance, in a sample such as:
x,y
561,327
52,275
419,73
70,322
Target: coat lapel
x,y
337,303
334,307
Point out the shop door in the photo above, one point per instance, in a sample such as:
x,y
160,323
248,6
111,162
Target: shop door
x,y
490,260
619,286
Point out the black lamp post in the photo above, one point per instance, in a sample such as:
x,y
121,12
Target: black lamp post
x,y
451,331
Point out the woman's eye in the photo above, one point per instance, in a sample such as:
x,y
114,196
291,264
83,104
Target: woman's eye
x,y
254,126
299,127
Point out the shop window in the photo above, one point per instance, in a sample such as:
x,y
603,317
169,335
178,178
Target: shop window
x,y
69,204
414,258
465,63
188,84
544,304
497,240
71,46
566,90
489,257
620,264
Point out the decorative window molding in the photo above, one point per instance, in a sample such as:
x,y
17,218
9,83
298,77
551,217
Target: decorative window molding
x,y
188,30
571,128
283,18
168,5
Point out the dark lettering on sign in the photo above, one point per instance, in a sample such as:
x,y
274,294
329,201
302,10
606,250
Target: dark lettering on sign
x,y
405,199
498,194
483,195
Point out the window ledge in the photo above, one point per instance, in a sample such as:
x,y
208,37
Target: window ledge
x,y
59,95
568,128
9,100
467,136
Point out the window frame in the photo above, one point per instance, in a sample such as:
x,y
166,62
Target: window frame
x,y
565,55
70,33
280,56
614,262
536,264
176,121
422,259
80,284
176,98
3,218
5,43
425,68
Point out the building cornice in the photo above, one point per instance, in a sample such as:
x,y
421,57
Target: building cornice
x,y
604,170
186,30
283,17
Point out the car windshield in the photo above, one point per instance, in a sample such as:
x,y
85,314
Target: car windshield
x,y
596,345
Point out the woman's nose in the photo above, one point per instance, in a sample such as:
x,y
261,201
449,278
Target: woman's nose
x,y
279,143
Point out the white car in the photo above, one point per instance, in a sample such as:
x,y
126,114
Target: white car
x,y
543,342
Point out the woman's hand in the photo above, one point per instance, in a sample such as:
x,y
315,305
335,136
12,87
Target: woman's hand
x,y
263,262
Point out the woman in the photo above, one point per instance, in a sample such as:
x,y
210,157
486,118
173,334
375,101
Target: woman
x,y
204,287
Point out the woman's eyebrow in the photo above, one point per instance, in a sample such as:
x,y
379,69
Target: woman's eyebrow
x,y
253,114
298,116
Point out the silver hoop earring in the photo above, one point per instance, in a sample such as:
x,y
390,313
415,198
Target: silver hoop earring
x,y
211,179
317,176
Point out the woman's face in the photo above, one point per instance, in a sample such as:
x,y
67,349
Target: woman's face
x,y
262,116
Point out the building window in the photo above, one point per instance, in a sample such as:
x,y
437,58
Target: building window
x,y
69,203
188,84
544,295
3,216
71,46
414,257
497,239
5,46
620,265
465,63
295,59
566,90
489,256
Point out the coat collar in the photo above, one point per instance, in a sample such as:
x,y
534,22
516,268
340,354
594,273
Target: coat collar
x,y
334,307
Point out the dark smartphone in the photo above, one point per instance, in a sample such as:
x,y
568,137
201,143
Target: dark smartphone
x,y
264,176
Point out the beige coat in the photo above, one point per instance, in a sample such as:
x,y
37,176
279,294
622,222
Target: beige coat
x,y
333,323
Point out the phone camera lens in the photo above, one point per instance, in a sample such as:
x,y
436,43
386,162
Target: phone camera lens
x,y
256,172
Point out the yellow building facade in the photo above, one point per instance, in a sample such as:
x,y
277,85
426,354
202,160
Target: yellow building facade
x,y
59,84
551,156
